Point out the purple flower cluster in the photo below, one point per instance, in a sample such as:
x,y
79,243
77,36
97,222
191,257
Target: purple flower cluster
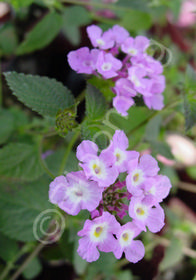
x,y
136,73
97,188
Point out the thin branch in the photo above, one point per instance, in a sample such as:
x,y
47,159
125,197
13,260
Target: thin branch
x,y
187,187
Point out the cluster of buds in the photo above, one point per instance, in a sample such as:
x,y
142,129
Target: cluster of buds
x,y
124,59
97,188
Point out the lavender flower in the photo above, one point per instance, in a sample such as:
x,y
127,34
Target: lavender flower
x,y
97,234
74,192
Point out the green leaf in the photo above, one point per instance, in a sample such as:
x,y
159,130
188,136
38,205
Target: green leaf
x,y
153,128
104,86
43,95
189,112
173,254
140,5
54,161
72,33
20,205
133,125
7,125
190,78
8,248
8,40
97,133
191,171
134,20
32,269
20,162
161,148
124,275
79,264
73,18
95,103
42,34
20,3
76,15
105,266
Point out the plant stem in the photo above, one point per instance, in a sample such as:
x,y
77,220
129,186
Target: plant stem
x,y
187,187
10,264
42,162
168,106
80,97
97,5
36,251
68,150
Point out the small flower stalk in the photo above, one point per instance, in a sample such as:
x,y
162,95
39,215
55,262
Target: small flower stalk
x,y
98,189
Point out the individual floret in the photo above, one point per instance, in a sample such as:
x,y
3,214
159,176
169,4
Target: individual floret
x,y
74,193
97,234
134,249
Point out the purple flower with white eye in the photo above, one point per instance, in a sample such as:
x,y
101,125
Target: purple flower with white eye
x,y
97,234
156,87
98,168
144,213
119,34
134,249
154,102
74,193
152,66
99,39
139,172
118,148
108,65
122,104
137,76
124,87
157,187
83,60
135,46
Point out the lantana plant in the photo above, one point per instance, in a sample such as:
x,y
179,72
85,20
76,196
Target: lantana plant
x,y
98,189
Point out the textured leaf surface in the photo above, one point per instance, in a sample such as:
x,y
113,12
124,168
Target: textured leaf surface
x,y
20,162
7,125
8,248
43,95
19,207
95,103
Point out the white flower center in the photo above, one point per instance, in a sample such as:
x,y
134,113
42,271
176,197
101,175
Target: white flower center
x,y
106,66
126,238
141,211
132,51
98,168
120,156
77,192
135,80
98,232
100,42
137,177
